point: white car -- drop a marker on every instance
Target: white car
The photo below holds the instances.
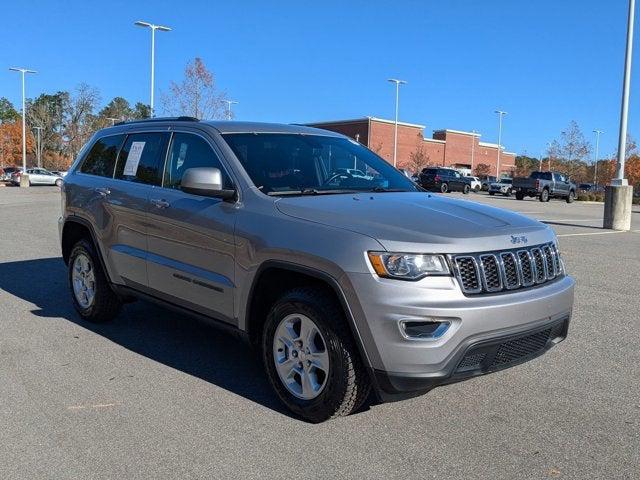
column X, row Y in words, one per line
column 503, row 186
column 38, row 176
column 474, row 183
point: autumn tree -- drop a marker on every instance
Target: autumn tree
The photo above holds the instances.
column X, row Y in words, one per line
column 197, row 95
column 11, row 144
column 525, row 165
column 482, row 169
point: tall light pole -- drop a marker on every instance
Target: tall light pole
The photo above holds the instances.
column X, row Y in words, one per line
column 500, row 115
column 618, row 195
column 113, row 120
column 229, row 103
column 473, row 145
column 38, row 147
column 624, row 113
column 595, row 164
column 23, row 71
column 395, row 135
column 153, row 28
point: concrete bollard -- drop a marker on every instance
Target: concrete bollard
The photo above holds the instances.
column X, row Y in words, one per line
column 617, row 207
column 24, row 180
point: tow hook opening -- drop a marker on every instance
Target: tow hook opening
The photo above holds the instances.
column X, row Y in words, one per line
column 424, row 330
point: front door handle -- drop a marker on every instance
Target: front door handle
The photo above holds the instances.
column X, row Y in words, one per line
column 103, row 191
column 159, row 203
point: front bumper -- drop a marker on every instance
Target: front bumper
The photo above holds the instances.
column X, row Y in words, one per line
column 402, row 365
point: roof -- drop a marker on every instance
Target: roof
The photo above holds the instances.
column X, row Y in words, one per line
column 365, row 119
column 490, row 145
column 459, row 132
column 226, row 126
column 434, row 140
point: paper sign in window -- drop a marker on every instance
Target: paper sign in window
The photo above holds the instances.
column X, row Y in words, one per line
column 133, row 159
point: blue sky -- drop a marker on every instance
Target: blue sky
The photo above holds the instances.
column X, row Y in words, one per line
column 546, row 62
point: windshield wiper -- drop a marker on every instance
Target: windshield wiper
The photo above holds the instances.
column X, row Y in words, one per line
column 311, row 191
column 378, row 188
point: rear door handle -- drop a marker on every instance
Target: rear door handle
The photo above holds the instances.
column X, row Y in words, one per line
column 102, row 191
column 160, row 203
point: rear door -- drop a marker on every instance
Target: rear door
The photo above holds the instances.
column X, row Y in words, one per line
column 561, row 185
column 190, row 237
column 126, row 199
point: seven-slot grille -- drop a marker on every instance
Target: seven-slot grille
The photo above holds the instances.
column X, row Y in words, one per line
column 507, row 270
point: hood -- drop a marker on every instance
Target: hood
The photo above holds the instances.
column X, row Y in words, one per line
column 420, row 222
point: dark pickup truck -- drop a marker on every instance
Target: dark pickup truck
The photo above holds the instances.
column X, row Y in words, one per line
column 545, row 185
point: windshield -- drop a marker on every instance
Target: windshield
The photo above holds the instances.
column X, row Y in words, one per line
column 290, row 164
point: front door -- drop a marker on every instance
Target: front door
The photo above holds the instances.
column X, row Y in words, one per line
column 190, row 258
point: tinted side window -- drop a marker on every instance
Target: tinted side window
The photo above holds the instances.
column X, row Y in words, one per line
column 101, row 159
column 142, row 157
column 189, row 151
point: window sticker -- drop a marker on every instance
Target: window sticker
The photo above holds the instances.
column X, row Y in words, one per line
column 133, row 159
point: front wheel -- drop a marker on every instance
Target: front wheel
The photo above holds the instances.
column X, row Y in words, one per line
column 492, row 193
column 519, row 196
column 466, row 189
column 310, row 357
column 59, row 182
column 508, row 193
column 571, row 197
column 476, row 189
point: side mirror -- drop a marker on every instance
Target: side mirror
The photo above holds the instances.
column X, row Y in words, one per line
column 205, row 181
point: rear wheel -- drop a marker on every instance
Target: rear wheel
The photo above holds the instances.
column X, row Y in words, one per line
column 544, row 195
column 492, row 193
column 466, row 189
column 519, row 196
column 444, row 188
column 476, row 189
column 59, row 182
column 310, row 357
column 508, row 193
column 92, row 295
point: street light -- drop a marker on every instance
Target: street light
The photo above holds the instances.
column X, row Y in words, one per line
column 23, row 71
column 500, row 115
column 113, row 120
column 473, row 145
column 595, row 169
column 229, row 103
column 153, row 28
column 38, row 147
column 395, row 135
column 619, row 195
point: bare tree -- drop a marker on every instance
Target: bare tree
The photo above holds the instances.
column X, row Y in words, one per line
column 572, row 150
column 79, row 118
column 197, row 95
column 418, row 159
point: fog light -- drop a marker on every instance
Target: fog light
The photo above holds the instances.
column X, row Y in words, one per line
column 424, row 329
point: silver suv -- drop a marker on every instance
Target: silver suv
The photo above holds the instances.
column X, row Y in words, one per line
column 344, row 283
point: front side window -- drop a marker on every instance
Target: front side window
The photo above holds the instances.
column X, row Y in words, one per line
column 189, row 151
column 282, row 164
column 142, row 157
column 101, row 159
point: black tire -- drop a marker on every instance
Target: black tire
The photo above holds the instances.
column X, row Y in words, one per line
column 571, row 197
column 59, row 182
column 106, row 304
column 519, row 196
column 508, row 194
column 466, row 189
column 492, row 193
column 544, row 195
column 347, row 385
column 444, row 188
column 476, row 189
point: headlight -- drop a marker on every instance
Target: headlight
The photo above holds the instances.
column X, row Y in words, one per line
column 408, row 266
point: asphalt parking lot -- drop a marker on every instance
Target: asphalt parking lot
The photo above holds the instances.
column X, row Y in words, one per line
column 155, row 395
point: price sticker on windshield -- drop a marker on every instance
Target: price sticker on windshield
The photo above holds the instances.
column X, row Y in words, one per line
column 133, row 159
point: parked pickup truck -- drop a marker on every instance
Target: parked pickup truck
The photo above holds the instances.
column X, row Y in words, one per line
column 545, row 185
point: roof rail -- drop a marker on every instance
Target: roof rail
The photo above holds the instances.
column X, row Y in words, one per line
column 160, row 119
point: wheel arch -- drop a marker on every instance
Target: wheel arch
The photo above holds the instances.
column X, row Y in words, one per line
column 274, row 277
column 74, row 229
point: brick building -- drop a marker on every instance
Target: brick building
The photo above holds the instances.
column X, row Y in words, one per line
column 450, row 148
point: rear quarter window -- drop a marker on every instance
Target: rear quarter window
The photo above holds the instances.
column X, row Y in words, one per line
column 101, row 159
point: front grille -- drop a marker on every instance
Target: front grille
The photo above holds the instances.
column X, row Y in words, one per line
column 492, row 272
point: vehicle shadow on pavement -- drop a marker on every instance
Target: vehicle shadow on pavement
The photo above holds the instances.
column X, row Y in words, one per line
column 565, row 224
column 175, row 340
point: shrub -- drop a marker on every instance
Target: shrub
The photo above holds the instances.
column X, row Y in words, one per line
column 582, row 197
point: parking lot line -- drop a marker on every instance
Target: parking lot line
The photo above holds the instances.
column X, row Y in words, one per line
column 595, row 233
